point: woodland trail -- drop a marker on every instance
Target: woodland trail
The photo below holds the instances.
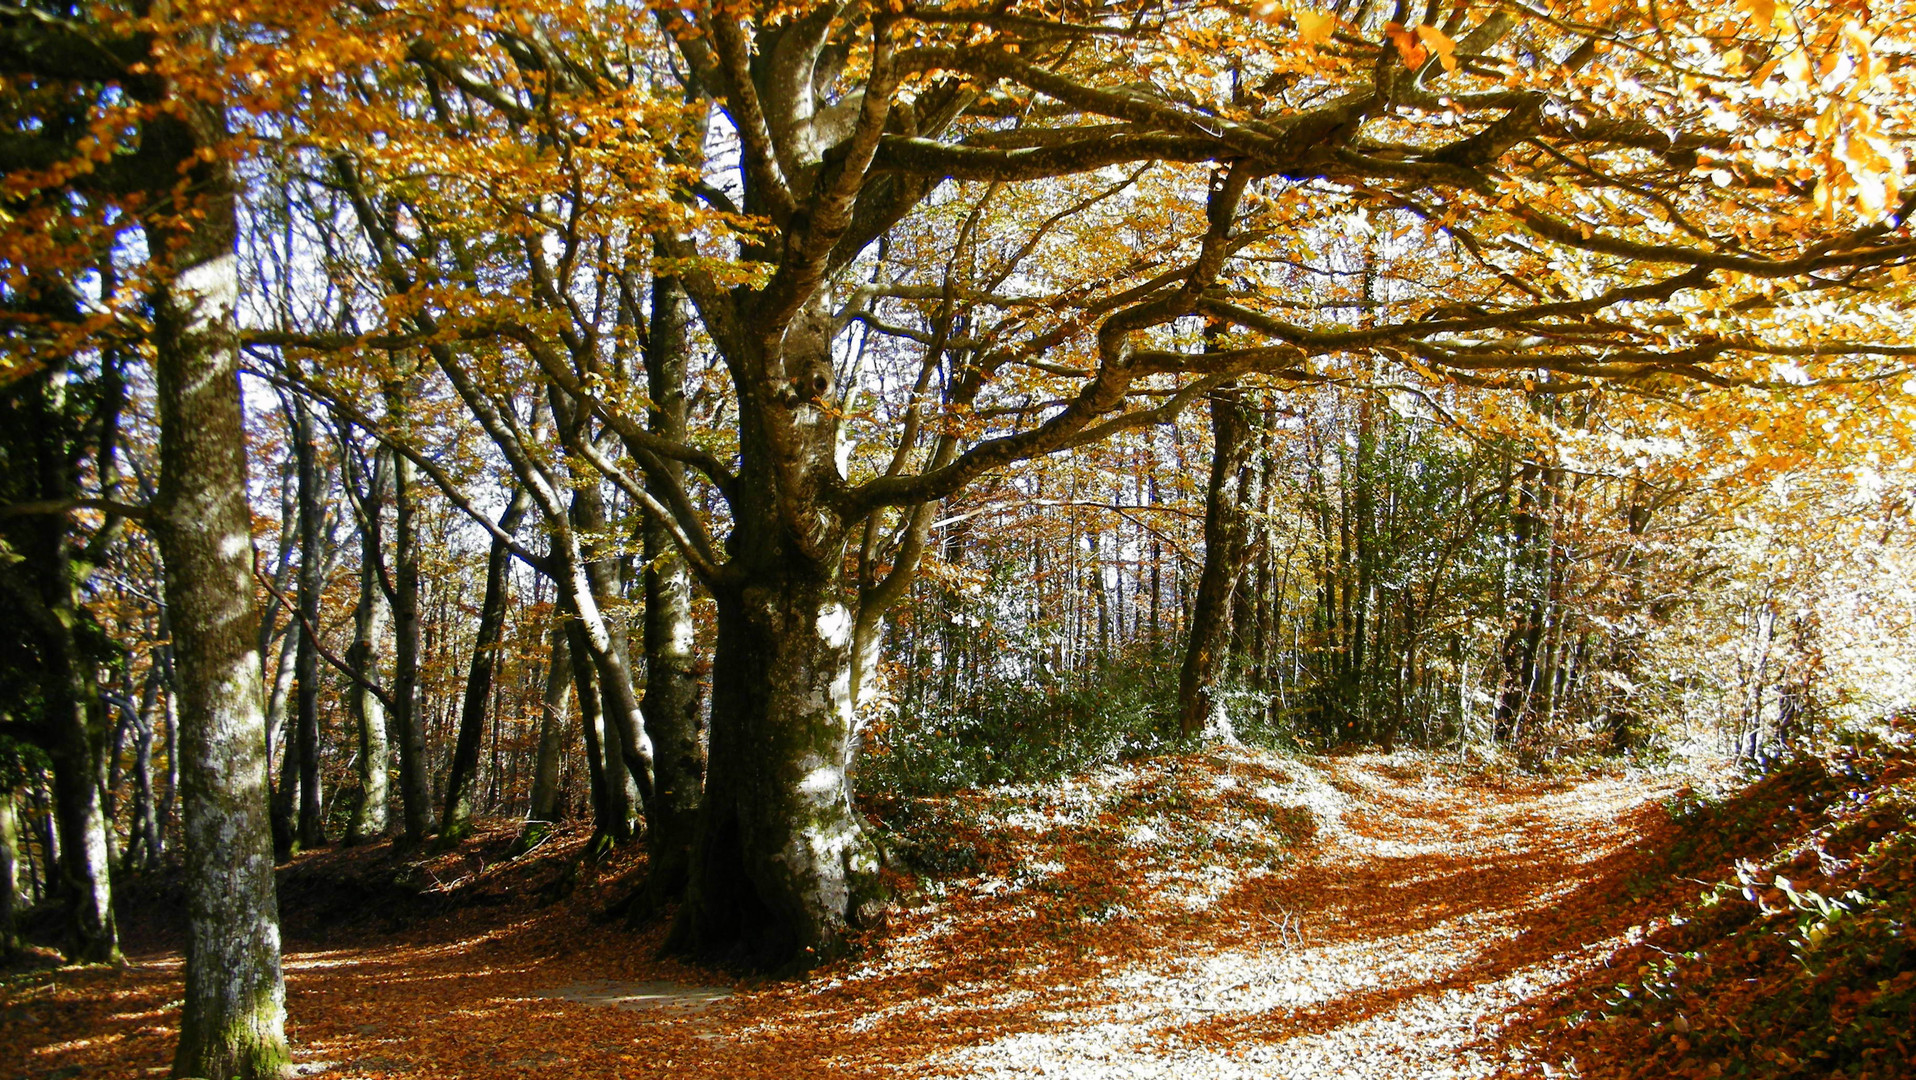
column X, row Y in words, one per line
column 1230, row 914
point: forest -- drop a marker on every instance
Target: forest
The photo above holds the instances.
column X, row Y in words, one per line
column 957, row 538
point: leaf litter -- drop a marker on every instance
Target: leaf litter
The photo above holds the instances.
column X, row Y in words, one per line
column 1226, row 914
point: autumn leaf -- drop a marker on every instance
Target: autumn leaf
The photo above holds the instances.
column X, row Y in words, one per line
column 1313, row 28
column 1440, row 43
column 1412, row 50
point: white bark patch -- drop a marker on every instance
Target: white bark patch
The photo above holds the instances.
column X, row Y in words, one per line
column 236, row 545
column 835, row 626
column 214, row 284
column 823, row 780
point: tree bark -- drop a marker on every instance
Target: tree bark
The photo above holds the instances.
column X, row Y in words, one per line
column 371, row 616
column 1514, row 656
column 9, row 875
column 543, row 808
column 456, row 822
column 1226, row 536
column 408, row 723
column 782, row 873
column 672, row 703
column 145, row 826
column 312, row 555
column 233, row 1023
column 628, row 764
column 60, row 647
column 783, row 870
column 91, row 935
column 606, row 819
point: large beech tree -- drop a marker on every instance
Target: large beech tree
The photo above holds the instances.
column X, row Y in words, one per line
column 923, row 242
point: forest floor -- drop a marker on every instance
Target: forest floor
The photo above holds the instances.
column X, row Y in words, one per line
column 1223, row 914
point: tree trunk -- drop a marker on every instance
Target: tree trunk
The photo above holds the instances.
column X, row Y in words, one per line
column 628, row 758
column 90, row 933
column 145, row 827
column 408, row 725
column 9, row 875
column 672, row 704
column 41, row 796
column 1517, row 656
column 370, row 619
column 170, row 716
column 1226, row 530
column 544, row 808
column 285, row 804
column 456, row 822
column 312, row 556
column 783, row 870
column 233, row 1023
column 607, row 820
column 284, row 796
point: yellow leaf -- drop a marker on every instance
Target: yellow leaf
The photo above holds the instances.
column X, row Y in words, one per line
column 1314, row 29
column 1763, row 11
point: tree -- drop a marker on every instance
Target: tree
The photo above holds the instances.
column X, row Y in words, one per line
column 947, row 178
column 1229, row 500
column 182, row 181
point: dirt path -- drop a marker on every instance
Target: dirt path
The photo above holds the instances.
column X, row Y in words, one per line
column 1426, row 911
column 1211, row 916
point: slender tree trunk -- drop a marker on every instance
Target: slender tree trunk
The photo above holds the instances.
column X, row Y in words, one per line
column 1363, row 681
column 370, row 619
column 628, row 757
column 1621, row 718
column 672, row 705
column 456, row 822
column 544, row 809
column 607, row 819
column 233, row 1023
column 41, row 795
column 284, row 798
column 408, row 721
column 9, row 875
column 80, row 819
column 170, row 716
column 146, row 819
column 1517, row 655
column 312, row 557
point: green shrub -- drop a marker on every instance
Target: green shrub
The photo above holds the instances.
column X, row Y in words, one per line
column 1010, row 732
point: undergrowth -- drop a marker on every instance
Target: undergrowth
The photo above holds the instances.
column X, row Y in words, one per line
column 1797, row 957
column 1007, row 732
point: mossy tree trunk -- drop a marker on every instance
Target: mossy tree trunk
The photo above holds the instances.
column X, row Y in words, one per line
column 783, row 872
column 1227, row 527
column 233, row 1021
column 672, row 703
